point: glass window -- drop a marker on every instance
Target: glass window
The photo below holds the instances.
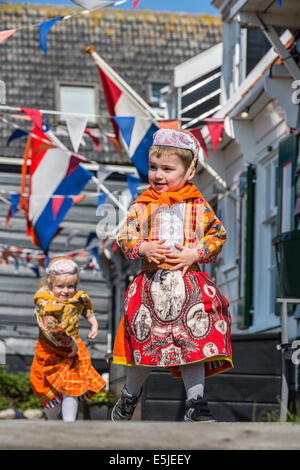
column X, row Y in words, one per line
column 155, row 92
column 78, row 99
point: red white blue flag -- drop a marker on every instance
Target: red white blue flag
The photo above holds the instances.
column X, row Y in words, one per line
column 133, row 120
column 55, row 176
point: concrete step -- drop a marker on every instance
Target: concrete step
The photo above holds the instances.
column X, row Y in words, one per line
column 146, row 435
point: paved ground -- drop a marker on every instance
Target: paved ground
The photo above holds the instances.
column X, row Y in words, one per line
column 105, row 435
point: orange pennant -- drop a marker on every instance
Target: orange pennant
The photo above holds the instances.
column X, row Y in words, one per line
column 169, row 124
column 78, row 198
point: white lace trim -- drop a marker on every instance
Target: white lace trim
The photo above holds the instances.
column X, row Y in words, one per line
column 172, row 224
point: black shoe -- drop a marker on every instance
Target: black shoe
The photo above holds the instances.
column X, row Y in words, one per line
column 197, row 410
column 125, row 406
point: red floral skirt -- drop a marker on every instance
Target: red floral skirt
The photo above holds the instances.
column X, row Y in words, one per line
column 170, row 321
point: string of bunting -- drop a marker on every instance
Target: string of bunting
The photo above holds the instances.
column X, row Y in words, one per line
column 46, row 26
column 76, row 125
column 87, row 257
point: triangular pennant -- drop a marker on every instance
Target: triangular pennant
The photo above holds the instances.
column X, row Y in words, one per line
column 91, row 236
column 93, row 4
column 78, row 198
column 133, row 182
column 6, row 34
column 73, row 164
column 198, row 134
column 135, row 3
column 279, row 3
column 125, row 125
column 44, row 30
column 169, row 124
column 16, row 135
column 15, row 199
column 94, row 138
column 215, row 130
column 116, row 143
column 95, row 252
column 76, row 126
column 56, row 205
column 35, row 116
column 101, row 200
column 103, row 173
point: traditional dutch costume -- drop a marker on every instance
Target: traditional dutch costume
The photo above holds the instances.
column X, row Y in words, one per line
column 172, row 320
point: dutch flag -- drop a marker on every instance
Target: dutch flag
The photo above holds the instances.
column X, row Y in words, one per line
column 134, row 121
column 55, row 176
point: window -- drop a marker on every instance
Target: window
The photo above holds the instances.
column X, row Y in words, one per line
column 155, row 92
column 78, row 99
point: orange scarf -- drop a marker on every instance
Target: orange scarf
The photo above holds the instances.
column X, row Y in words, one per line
column 189, row 191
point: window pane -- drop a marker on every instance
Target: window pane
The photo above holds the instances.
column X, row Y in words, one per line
column 75, row 99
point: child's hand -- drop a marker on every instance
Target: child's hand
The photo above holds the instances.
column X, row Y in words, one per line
column 94, row 327
column 153, row 250
column 183, row 259
column 93, row 332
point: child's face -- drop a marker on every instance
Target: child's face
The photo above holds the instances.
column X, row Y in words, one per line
column 167, row 173
column 64, row 286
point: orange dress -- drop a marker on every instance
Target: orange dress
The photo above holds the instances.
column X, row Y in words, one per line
column 53, row 373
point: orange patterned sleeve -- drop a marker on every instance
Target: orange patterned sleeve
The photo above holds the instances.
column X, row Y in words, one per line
column 130, row 237
column 211, row 243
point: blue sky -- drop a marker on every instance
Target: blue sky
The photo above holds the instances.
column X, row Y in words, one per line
column 189, row 6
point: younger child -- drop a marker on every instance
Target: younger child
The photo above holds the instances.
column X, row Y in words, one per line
column 174, row 315
column 61, row 371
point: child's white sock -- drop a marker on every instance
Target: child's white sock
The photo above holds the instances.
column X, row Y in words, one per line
column 69, row 408
column 193, row 379
column 52, row 413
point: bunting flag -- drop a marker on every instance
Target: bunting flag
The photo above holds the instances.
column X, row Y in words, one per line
column 16, row 135
column 101, row 200
column 279, row 3
column 76, row 126
column 135, row 3
column 94, row 138
column 35, row 115
column 169, row 124
column 103, row 173
column 96, row 257
column 90, row 237
column 215, row 129
column 116, row 143
column 6, row 34
column 133, row 182
column 15, row 200
column 198, row 134
column 44, row 30
column 94, row 4
column 53, row 172
column 139, row 121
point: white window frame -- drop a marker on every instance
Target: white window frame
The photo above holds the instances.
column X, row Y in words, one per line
column 264, row 256
column 92, row 122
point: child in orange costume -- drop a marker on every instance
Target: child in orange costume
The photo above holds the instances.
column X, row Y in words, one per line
column 174, row 315
column 61, row 371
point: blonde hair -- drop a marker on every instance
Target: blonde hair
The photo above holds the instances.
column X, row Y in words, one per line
column 185, row 155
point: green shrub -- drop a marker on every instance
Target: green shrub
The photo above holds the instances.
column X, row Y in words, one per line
column 103, row 398
column 16, row 391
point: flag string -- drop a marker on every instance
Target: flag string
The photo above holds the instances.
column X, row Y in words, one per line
column 104, row 116
column 64, row 18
